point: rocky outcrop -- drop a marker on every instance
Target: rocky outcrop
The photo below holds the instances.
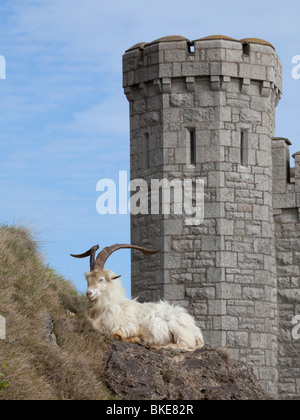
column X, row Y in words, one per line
column 47, row 328
column 134, row 372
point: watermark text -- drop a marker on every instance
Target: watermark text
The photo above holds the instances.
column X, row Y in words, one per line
column 2, row 68
column 296, row 68
column 160, row 196
column 2, row 328
column 296, row 329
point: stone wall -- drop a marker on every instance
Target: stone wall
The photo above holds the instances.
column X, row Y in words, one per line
column 286, row 207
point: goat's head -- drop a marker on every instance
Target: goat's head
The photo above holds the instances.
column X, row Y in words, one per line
column 99, row 278
column 98, row 282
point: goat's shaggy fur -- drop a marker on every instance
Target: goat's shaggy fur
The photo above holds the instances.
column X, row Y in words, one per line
column 151, row 324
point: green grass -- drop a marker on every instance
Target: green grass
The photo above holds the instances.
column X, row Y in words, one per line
column 3, row 383
column 30, row 367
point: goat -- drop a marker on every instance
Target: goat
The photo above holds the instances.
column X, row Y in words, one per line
column 153, row 325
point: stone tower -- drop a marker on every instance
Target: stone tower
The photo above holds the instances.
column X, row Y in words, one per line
column 206, row 109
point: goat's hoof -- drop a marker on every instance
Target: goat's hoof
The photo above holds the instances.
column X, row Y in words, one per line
column 116, row 337
column 134, row 340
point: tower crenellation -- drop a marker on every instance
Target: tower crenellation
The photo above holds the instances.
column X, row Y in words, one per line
column 206, row 109
column 219, row 59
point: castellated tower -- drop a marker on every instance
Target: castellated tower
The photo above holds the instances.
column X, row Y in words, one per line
column 206, row 109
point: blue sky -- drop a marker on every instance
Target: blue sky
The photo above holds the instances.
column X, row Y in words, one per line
column 64, row 120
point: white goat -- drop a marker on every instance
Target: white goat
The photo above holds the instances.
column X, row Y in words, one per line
column 151, row 324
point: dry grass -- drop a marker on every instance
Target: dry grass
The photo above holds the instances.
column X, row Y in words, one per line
column 30, row 367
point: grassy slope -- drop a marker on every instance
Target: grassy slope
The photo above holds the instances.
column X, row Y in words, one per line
column 32, row 367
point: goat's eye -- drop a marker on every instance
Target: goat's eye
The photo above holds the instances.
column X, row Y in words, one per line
column 101, row 279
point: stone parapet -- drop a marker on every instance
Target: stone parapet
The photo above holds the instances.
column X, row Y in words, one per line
column 219, row 59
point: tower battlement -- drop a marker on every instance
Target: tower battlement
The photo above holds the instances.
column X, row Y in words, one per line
column 286, row 187
column 218, row 58
column 206, row 109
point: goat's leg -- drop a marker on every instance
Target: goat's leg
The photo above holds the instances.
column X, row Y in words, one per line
column 118, row 335
column 134, row 340
column 115, row 336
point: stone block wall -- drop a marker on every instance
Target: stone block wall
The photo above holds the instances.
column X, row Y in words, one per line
column 286, row 213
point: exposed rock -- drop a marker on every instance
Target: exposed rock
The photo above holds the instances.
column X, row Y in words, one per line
column 134, row 372
column 47, row 328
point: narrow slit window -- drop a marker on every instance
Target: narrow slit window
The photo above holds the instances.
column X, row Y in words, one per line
column 191, row 48
column 246, row 48
column 192, row 157
column 147, row 147
column 288, row 172
column 244, row 148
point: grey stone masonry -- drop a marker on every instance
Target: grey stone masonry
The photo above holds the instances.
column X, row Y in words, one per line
column 205, row 109
column 286, row 210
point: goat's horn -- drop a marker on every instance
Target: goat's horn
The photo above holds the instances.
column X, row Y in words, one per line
column 90, row 253
column 106, row 253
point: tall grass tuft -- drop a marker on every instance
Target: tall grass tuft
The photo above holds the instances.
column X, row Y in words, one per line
column 32, row 366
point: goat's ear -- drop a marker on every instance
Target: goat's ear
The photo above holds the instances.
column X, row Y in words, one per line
column 115, row 277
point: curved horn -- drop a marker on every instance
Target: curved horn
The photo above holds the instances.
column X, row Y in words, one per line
column 90, row 253
column 106, row 253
